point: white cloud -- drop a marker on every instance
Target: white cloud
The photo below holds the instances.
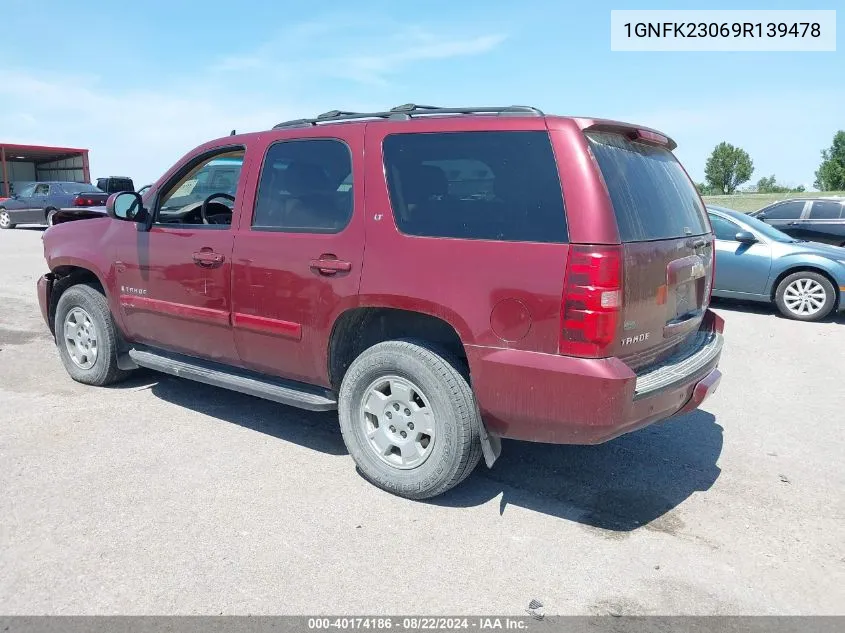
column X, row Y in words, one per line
column 375, row 68
column 139, row 133
column 142, row 131
column 369, row 55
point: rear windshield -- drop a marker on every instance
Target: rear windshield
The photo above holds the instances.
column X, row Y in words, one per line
column 652, row 196
column 80, row 187
column 119, row 184
column 476, row 185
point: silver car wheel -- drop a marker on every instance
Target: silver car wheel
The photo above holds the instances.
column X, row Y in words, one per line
column 398, row 422
column 804, row 297
column 5, row 219
column 80, row 337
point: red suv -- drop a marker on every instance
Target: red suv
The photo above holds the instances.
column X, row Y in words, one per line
column 444, row 277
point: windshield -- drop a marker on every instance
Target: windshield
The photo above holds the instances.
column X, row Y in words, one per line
column 766, row 230
column 80, row 187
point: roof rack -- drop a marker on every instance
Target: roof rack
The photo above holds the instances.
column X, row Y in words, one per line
column 406, row 112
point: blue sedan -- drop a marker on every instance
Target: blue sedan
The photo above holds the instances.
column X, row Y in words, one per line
column 756, row 262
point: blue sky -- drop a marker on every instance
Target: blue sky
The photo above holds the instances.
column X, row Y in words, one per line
column 142, row 83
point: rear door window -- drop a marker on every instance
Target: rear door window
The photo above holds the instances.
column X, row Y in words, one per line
column 785, row 211
column 306, row 187
column 476, row 185
column 826, row 210
column 652, row 196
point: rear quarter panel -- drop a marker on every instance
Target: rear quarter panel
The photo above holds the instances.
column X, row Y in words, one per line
column 493, row 293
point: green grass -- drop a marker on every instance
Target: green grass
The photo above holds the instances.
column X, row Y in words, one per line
column 747, row 202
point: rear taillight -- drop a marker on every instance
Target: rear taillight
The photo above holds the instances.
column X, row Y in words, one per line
column 82, row 202
column 592, row 300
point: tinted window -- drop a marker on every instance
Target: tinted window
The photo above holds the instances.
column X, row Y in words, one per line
column 652, row 196
column 724, row 229
column 825, row 210
column 785, row 211
column 305, row 187
column 476, row 185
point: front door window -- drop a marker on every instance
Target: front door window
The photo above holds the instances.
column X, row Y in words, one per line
column 205, row 195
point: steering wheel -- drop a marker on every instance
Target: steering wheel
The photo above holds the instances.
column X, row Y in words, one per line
column 204, row 207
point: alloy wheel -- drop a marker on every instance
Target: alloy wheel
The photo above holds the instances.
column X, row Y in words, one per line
column 804, row 297
column 398, row 422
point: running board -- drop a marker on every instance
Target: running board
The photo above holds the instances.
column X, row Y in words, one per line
column 285, row 392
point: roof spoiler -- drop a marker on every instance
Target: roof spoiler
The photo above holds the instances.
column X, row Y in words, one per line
column 637, row 133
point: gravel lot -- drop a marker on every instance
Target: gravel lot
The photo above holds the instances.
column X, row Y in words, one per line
column 165, row 496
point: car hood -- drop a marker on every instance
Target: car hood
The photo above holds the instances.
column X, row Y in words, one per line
column 817, row 248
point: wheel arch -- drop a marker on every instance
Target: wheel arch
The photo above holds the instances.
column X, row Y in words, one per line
column 66, row 276
column 359, row 328
column 805, row 268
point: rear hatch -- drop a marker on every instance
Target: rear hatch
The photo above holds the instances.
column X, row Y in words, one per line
column 667, row 246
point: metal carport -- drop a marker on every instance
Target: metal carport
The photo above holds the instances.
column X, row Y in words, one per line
column 29, row 163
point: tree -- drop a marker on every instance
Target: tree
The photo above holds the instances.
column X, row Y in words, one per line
column 770, row 185
column 767, row 185
column 728, row 167
column 831, row 173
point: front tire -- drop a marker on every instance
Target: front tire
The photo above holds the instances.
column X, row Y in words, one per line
column 87, row 337
column 6, row 219
column 805, row 296
column 409, row 419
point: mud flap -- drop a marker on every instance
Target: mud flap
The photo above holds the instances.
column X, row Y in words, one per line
column 491, row 445
column 125, row 362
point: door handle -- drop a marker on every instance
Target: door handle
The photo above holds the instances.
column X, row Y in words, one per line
column 329, row 265
column 207, row 258
column 792, row 224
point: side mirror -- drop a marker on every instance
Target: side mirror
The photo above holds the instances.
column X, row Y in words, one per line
column 126, row 205
column 745, row 237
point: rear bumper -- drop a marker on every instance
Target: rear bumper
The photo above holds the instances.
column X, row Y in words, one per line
column 565, row 400
column 44, row 287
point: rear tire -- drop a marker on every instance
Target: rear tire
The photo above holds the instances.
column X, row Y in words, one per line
column 6, row 219
column 409, row 419
column 805, row 296
column 87, row 337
